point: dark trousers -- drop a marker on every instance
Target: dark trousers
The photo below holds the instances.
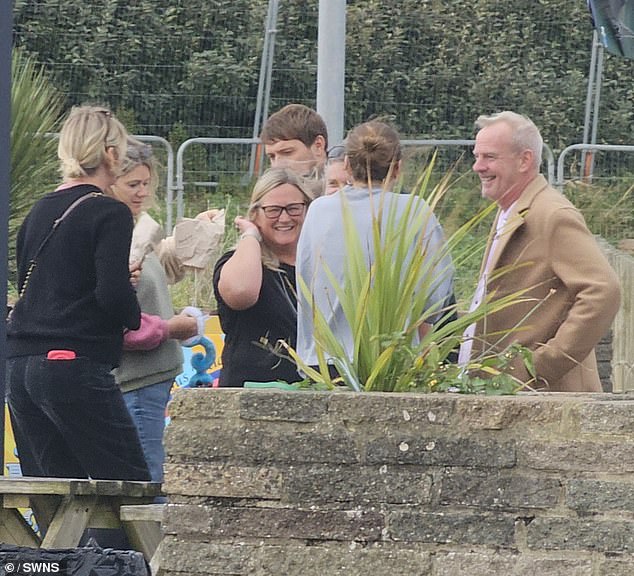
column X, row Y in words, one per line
column 70, row 421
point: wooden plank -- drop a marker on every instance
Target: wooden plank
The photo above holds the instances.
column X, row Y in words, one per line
column 155, row 562
column 14, row 529
column 146, row 512
column 96, row 487
column 127, row 488
column 69, row 522
column 79, row 486
column 141, row 489
column 44, row 507
column 144, row 536
column 105, row 514
column 623, row 325
column 16, row 501
column 27, row 485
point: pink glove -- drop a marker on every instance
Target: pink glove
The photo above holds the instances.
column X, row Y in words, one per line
column 152, row 332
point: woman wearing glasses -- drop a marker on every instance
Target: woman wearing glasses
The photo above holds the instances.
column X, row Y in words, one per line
column 255, row 282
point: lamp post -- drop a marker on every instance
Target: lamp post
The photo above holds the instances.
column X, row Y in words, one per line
column 331, row 66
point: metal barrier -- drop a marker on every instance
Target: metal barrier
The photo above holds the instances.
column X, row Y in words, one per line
column 549, row 157
column 585, row 147
column 179, row 186
column 169, row 178
column 180, row 182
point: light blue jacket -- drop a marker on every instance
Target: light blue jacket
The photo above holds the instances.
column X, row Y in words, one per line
column 322, row 241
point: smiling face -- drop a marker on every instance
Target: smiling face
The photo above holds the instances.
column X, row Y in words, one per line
column 134, row 188
column 281, row 233
column 504, row 171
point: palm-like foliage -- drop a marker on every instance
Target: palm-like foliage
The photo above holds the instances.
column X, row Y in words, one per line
column 386, row 303
column 35, row 111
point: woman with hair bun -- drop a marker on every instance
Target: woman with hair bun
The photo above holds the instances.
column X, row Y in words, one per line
column 65, row 333
column 373, row 160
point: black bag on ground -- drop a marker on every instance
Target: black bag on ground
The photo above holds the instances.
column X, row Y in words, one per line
column 85, row 561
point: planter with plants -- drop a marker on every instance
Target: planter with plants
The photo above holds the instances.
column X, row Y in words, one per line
column 386, row 304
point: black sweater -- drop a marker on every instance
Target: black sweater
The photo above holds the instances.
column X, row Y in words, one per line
column 79, row 296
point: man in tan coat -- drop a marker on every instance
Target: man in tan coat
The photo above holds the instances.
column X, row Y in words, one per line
column 539, row 242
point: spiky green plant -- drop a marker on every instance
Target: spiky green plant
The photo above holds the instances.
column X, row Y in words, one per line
column 386, row 305
column 35, row 112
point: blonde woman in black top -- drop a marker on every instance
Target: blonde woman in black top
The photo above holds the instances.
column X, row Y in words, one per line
column 65, row 333
column 255, row 283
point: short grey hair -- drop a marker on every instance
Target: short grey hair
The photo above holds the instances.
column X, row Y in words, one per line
column 525, row 134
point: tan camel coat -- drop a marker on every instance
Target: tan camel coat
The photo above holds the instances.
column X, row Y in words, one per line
column 573, row 293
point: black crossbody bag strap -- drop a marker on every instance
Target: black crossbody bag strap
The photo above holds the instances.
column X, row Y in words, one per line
column 56, row 223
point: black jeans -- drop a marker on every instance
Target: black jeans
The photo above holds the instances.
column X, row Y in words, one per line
column 70, row 421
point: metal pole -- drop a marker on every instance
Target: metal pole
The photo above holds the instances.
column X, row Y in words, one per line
column 267, row 82
column 597, row 94
column 589, row 170
column 6, row 27
column 590, row 91
column 593, row 100
column 264, row 84
column 331, row 66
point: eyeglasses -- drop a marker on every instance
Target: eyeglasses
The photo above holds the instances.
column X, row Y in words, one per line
column 272, row 211
column 336, row 152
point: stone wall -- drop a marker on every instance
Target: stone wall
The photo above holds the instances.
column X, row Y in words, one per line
column 271, row 483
